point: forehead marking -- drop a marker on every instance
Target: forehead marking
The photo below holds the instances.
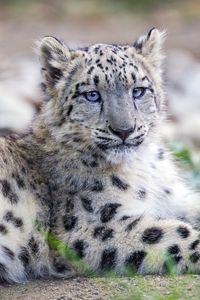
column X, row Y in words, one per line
column 100, row 66
column 109, row 61
column 90, row 70
column 96, row 49
column 133, row 77
column 145, row 78
column 96, row 80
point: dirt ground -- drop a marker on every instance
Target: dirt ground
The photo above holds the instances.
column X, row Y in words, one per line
column 137, row 288
column 53, row 290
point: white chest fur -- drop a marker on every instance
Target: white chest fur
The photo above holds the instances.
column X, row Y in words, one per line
column 155, row 190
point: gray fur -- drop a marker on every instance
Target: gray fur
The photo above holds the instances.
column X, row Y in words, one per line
column 115, row 203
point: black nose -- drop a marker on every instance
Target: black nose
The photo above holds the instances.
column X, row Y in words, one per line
column 122, row 133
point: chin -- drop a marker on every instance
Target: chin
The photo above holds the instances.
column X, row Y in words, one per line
column 120, row 156
column 122, row 153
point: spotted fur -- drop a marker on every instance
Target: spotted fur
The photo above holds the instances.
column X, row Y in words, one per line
column 94, row 172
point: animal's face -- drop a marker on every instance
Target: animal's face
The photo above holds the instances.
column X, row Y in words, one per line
column 104, row 97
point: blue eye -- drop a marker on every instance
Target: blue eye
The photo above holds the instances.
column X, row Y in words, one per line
column 92, row 96
column 139, row 92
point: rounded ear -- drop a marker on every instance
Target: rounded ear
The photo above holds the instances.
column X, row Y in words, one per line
column 150, row 45
column 54, row 57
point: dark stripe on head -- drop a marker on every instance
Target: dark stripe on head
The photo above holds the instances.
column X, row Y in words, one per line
column 90, row 70
column 96, row 80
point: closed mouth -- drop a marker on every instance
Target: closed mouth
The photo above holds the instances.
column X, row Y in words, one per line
column 122, row 146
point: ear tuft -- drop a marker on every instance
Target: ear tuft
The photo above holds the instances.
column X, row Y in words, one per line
column 150, row 45
column 54, row 57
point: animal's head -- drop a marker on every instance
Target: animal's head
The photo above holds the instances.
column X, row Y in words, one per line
column 104, row 97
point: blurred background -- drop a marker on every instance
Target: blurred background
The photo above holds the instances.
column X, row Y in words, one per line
column 81, row 22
